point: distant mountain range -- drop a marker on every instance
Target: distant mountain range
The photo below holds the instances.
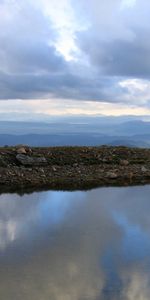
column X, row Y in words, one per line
column 87, row 131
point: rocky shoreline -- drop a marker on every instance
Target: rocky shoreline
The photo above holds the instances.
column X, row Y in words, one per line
column 23, row 167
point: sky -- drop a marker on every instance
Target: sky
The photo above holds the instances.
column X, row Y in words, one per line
column 74, row 57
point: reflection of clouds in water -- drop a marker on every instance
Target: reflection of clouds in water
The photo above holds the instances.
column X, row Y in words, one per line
column 23, row 216
column 136, row 286
column 100, row 242
column 135, row 243
column 7, row 233
column 63, row 271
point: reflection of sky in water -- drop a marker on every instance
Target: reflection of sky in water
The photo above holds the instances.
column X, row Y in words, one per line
column 48, row 211
column 135, row 242
column 53, row 209
column 91, row 245
column 133, row 246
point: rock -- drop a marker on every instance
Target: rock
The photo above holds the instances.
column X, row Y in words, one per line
column 21, row 150
column 111, row 175
column 124, row 162
column 130, row 175
column 104, row 160
column 75, row 165
column 29, row 150
column 143, row 169
column 54, row 169
column 30, row 161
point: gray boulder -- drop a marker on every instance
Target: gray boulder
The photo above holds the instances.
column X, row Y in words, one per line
column 30, row 160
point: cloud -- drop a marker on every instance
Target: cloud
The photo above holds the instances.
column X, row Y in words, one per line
column 116, row 41
column 63, row 86
column 27, row 41
column 119, row 57
column 77, row 50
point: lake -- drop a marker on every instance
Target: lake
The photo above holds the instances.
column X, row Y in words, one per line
column 76, row 245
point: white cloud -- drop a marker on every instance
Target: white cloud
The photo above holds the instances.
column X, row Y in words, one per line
column 128, row 3
column 138, row 91
column 62, row 16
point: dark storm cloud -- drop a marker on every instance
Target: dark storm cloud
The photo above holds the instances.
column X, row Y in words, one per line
column 32, row 56
column 129, row 58
column 63, row 85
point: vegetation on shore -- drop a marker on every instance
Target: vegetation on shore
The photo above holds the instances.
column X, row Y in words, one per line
column 72, row 167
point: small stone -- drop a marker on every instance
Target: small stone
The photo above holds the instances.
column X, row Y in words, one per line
column 124, row 162
column 54, row 169
column 111, row 175
column 143, row 169
column 104, row 160
column 43, row 175
column 75, row 165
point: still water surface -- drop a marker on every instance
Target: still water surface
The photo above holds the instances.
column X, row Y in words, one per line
column 76, row 245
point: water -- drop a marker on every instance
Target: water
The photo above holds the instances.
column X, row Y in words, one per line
column 76, row 245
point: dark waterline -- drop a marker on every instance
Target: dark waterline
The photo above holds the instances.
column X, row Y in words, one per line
column 76, row 245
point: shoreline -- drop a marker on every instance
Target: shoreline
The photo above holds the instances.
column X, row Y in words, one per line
column 72, row 168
